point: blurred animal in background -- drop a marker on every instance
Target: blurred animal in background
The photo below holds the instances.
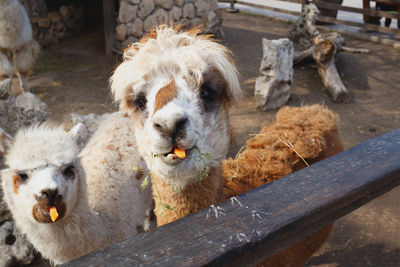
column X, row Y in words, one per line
column 388, row 8
column 18, row 50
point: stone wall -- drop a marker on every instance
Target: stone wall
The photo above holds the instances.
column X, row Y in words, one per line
column 57, row 25
column 136, row 17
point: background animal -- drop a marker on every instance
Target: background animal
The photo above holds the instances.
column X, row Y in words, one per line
column 178, row 86
column 16, row 41
column 95, row 208
column 385, row 7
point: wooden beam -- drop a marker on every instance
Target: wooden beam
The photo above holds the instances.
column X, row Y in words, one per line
column 246, row 229
column 371, row 12
column 370, row 27
column 109, row 26
column 275, row 9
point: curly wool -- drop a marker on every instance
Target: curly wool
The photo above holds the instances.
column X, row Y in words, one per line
column 269, row 155
column 299, row 134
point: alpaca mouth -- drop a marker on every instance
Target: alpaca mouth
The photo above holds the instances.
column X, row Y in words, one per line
column 42, row 214
column 175, row 156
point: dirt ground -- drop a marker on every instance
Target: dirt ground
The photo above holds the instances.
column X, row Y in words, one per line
column 73, row 77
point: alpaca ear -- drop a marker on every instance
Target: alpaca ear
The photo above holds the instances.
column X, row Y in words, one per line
column 78, row 131
column 5, row 141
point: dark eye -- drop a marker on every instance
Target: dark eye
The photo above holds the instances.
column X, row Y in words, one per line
column 207, row 92
column 140, row 102
column 209, row 96
column 22, row 176
column 69, row 172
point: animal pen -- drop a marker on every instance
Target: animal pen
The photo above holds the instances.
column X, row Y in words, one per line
column 309, row 199
column 247, row 228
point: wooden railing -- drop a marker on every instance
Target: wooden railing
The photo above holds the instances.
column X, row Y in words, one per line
column 366, row 11
column 244, row 230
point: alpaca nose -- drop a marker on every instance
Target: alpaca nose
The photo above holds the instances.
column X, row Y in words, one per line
column 50, row 195
column 175, row 128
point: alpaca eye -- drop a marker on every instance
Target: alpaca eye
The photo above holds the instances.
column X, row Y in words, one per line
column 208, row 93
column 209, row 96
column 22, row 176
column 140, row 102
column 69, row 172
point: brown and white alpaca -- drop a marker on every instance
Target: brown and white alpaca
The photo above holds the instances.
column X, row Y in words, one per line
column 178, row 86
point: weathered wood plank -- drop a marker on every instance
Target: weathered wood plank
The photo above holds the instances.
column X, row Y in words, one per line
column 371, row 27
column 275, row 9
column 370, row 12
column 267, row 219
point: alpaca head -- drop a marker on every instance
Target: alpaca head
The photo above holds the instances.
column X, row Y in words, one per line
column 178, row 86
column 42, row 173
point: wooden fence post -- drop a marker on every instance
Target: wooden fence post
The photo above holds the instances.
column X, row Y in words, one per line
column 109, row 26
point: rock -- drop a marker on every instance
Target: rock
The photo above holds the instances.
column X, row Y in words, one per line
column 160, row 16
column 202, row 7
column 179, row 2
column 121, row 32
column 214, row 5
column 196, row 22
column 57, row 26
column 214, row 24
column 188, row 10
column 145, row 8
column 305, row 30
column 29, row 101
column 175, row 13
column 5, row 87
column 14, row 249
column 43, row 22
column 64, row 12
column 128, row 42
column 136, row 28
column 127, row 12
column 167, row 4
column 273, row 88
column 54, row 16
column 29, row 110
column 133, row 2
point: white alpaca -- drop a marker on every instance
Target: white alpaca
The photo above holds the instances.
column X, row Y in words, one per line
column 16, row 40
column 97, row 205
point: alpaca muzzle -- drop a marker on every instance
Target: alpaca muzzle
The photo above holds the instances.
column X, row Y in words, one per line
column 176, row 155
column 49, row 207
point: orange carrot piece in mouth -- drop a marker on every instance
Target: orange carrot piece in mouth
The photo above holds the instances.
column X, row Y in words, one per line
column 53, row 213
column 180, row 153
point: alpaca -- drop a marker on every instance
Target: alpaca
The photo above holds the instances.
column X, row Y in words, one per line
column 66, row 206
column 177, row 86
column 299, row 137
column 16, row 39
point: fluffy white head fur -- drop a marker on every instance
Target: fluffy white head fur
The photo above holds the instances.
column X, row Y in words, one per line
column 178, row 86
column 41, row 173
